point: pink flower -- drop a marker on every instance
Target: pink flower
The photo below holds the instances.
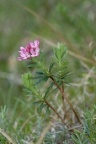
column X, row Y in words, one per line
column 31, row 50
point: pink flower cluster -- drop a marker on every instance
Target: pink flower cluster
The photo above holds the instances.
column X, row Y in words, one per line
column 31, row 50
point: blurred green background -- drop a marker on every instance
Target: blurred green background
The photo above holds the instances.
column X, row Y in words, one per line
column 72, row 22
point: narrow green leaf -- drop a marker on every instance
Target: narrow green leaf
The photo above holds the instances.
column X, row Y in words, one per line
column 47, row 110
column 27, row 90
column 41, row 80
column 51, row 66
column 66, row 75
column 39, row 109
column 48, row 90
column 32, row 65
column 36, row 102
column 40, row 73
column 64, row 50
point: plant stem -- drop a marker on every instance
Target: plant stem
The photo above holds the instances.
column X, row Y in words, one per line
column 49, row 105
column 66, row 99
column 63, row 96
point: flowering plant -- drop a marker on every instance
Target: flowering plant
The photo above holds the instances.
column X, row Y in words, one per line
column 52, row 72
column 31, row 50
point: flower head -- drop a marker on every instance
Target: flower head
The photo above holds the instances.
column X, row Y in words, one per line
column 31, row 50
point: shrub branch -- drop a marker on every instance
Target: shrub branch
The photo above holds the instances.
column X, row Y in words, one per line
column 62, row 92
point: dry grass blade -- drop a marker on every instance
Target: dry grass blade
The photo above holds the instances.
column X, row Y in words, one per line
column 24, row 124
column 7, row 136
column 82, row 58
column 40, row 140
column 76, row 52
column 36, row 15
column 75, row 55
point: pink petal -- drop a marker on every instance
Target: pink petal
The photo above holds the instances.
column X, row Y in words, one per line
column 36, row 43
column 31, row 50
column 21, row 48
column 19, row 58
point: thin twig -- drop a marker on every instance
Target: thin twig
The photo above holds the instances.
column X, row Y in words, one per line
column 66, row 99
column 49, row 105
column 63, row 96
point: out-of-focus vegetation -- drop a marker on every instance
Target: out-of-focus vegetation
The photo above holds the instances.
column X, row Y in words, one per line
column 71, row 22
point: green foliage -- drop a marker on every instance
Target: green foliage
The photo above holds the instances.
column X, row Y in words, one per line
column 90, row 125
column 88, row 133
column 30, row 85
column 44, row 73
column 3, row 116
column 70, row 22
column 60, row 53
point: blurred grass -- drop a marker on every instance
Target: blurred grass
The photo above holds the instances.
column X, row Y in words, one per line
column 71, row 22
